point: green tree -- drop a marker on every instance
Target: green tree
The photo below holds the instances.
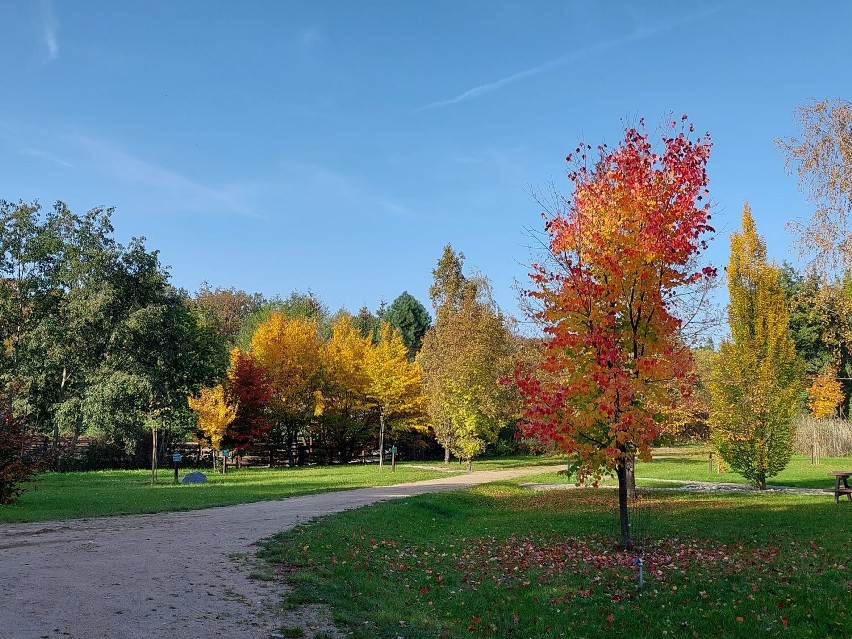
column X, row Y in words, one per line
column 226, row 309
column 411, row 319
column 465, row 355
column 367, row 323
column 167, row 353
column 757, row 380
column 821, row 322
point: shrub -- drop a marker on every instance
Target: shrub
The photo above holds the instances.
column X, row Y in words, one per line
column 19, row 457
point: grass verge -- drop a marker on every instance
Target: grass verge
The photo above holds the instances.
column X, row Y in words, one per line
column 119, row 492
column 501, row 561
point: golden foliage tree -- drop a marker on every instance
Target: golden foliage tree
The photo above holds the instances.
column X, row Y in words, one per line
column 342, row 420
column 465, row 356
column 757, row 380
column 394, row 384
column 215, row 414
column 290, row 351
column 825, row 394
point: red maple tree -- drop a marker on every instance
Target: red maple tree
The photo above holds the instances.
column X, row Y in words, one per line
column 247, row 386
column 622, row 251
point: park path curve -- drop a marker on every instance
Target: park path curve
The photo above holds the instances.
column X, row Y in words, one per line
column 166, row 575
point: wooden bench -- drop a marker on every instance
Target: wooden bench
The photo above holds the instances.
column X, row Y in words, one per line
column 840, row 476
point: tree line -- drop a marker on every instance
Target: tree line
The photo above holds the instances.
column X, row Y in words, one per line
column 335, row 386
column 98, row 345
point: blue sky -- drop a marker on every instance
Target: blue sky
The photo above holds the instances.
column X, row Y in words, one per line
column 338, row 146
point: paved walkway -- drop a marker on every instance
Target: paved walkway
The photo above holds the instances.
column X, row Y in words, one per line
column 169, row 575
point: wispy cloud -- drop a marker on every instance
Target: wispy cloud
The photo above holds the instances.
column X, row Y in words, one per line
column 640, row 33
column 45, row 155
column 49, row 31
column 299, row 188
column 182, row 192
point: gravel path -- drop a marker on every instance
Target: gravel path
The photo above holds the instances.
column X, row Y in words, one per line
column 695, row 487
column 170, row 575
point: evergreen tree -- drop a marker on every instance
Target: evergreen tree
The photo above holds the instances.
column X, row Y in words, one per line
column 411, row 319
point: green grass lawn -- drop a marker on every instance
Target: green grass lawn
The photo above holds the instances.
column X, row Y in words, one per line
column 119, row 492
column 101, row 493
column 691, row 464
column 502, row 561
column 123, row 492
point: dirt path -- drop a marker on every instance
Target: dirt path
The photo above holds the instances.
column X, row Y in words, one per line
column 169, row 575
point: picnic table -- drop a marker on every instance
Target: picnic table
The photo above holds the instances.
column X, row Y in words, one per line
column 841, row 476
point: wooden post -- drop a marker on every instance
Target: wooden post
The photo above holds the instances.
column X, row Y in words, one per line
column 815, row 445
column 710, row 463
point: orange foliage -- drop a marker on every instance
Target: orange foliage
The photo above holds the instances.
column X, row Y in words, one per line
column 825, row 394
column 622, row 250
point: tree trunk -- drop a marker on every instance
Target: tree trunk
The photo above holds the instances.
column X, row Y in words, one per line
column 381, row 439
column 623, row 512
column 469, row 465
column 446, row 456
column 630, row 461
column 153, row 452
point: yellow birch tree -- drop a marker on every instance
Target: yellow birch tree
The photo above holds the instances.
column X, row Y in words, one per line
column 465, row 356
column 394, row 385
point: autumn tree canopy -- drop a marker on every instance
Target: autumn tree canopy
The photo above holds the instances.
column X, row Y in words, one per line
column 290, row 351
column 757, row 379
column 394, row 385
column 825, row 394
column 822, row 157
column 215, row 414
column 343, row 424
column 621, row 248
column 249, row 390
column 465, row 356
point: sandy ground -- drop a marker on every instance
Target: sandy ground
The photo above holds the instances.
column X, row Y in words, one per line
column 175, row 575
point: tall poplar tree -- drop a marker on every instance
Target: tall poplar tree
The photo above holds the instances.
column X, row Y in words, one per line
column 757, row 381
column 465, row 356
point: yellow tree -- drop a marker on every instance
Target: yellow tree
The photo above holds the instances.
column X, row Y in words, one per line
column 465, row 356
column 394, row 385
column 825, row 394
column 215, row 414
column 757, row 380
column 289, row 350
column 342, row 423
